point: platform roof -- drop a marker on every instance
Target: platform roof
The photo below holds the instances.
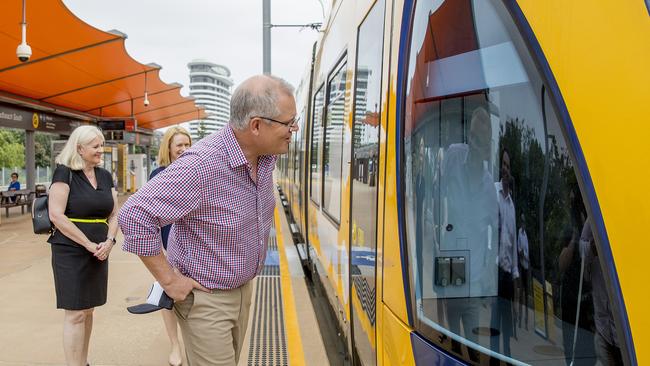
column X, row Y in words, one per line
column 80, row 68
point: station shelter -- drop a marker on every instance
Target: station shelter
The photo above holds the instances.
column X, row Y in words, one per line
column 78, row 75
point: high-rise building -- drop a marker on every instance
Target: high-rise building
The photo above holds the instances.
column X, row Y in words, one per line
column 210, row 84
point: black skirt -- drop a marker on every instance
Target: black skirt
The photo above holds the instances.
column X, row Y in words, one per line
column 80, row 279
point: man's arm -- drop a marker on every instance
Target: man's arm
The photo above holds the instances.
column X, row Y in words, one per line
column 175, row 193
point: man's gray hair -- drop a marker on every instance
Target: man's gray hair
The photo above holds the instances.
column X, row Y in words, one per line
column 257, row 97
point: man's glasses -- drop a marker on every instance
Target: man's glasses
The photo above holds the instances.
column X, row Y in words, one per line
column 291, row 123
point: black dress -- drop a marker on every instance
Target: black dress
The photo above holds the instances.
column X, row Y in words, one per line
column 80, row 279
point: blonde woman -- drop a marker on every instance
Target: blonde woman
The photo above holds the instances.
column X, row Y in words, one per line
column 83, row 207
column 174, row 142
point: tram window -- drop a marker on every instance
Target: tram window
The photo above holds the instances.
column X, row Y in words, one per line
column 333, row 145
column 316, row 133
column 494, row 216
column 363, row 183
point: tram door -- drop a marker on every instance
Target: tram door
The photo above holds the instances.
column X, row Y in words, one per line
column 365, row 157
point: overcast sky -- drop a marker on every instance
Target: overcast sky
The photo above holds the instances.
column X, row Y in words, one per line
column 171, row 33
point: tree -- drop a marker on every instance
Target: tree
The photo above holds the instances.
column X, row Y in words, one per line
column 201, row 132
column 43, row 149
column 12, row 149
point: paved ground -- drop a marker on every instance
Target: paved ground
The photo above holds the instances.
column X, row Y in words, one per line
column 32, row 326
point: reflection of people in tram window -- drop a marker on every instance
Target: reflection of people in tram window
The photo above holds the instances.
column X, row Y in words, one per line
column 469, row 217
column 607, row 347
column 469, row 206
column 524, row 270
column 572, row 299
column 419, row 167
column 507, row 259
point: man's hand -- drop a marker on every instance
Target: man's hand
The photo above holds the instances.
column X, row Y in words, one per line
column 172, row 281
column 180, row 286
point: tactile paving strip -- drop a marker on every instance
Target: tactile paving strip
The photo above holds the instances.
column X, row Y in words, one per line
column 268, row 344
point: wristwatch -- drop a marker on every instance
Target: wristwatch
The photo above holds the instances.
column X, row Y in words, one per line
column 112, row 239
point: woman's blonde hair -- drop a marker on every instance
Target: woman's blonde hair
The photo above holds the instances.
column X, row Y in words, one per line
column 81, row 135
column 164, row 158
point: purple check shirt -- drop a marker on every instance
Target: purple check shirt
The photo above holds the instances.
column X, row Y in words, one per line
column 221, row 217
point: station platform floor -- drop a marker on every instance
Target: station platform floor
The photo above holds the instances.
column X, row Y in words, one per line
column 283, row 327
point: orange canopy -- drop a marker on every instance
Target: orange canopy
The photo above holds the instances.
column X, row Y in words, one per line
column 83, row 69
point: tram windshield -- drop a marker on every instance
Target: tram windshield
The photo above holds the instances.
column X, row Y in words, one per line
column 503, row 262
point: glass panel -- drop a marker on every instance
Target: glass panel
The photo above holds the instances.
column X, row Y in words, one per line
column 316, row 133
column 365, row 140
column 333, row 146
column 300, row 156
column 494, row 215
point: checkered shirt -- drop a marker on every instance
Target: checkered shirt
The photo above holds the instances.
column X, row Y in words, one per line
column 221, row 217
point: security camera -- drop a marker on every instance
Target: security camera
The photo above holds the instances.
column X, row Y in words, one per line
column 24, row 52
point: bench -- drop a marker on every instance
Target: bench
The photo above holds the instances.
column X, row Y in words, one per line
column 19, row 198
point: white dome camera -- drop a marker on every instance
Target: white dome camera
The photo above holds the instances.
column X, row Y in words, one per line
column 24, row 52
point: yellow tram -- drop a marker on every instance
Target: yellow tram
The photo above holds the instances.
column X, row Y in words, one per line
column 469, row 179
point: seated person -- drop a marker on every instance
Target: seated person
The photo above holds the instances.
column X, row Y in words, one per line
column 14, row 185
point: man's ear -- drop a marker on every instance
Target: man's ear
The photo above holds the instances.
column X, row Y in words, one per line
column 254, row 126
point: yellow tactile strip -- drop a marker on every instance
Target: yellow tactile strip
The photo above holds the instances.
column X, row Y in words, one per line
column 294, row 340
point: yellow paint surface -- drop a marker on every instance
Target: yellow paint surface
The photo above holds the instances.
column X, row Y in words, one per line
column 294, row 340
column 599, row 53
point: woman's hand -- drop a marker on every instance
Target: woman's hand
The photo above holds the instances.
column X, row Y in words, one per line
column 104, row 249
column 91, row 247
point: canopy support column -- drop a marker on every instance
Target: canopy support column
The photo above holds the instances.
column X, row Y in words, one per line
column 147, row 151
column 30, row 160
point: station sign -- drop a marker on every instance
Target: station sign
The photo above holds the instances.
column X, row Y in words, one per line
column 126, row 137
column 110, row 125
column 31, row 120
column 129, row 125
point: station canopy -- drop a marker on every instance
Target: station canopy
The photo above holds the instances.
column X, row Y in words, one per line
column 81, row 69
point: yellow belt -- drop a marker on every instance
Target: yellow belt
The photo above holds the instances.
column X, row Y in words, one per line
column 90, row 221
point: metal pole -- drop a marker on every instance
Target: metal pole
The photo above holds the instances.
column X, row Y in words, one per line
column 147, row 150
column 30, row 160
column 266, row 36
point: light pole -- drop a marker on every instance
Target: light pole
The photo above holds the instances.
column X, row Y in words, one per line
column 266, row 33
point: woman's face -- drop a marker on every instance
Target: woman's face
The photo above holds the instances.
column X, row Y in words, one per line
column 91, row 153
column 178, row 144
column 14, row 178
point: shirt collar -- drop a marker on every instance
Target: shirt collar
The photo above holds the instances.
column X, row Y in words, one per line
column 500, row 189
column 236, row 156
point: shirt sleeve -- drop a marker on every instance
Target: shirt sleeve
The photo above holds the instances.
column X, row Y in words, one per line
column 162, row 201
column 61, row 174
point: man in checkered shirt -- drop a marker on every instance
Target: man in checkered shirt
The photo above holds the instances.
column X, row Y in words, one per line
column 219, row 197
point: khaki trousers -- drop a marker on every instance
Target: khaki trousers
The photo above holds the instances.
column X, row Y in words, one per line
column 214, row 325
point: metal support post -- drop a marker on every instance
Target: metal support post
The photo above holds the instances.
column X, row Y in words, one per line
column 30, row 160
column 147, row 150
column 266, row 36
